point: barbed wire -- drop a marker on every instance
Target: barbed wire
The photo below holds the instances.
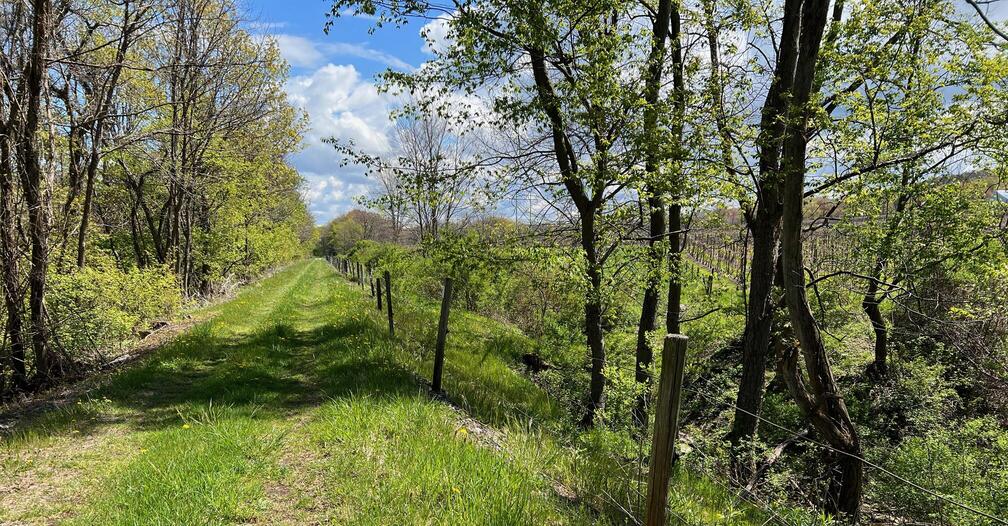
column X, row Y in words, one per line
column 866, row 462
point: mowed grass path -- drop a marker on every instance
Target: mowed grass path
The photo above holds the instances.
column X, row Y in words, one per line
column 290, row 405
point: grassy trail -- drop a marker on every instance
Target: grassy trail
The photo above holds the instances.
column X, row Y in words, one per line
column 289, row 406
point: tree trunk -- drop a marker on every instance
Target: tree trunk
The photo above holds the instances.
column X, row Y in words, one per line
column 9, row 263
column 759, row 317
column 649, row 308
column 86, row 210
column 674, row 311
column 819, row 400
column 593, row 321
column 35, row 195
column 675, row 227
column 764, row 224
column 870, row 304
column 587, row 209
column 873, row 298
column 658, row 256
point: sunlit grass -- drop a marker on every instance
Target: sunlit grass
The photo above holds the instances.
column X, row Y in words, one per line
column 291, row 405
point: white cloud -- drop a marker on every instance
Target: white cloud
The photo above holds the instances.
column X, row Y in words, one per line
column 298, row 51
column 342, row 105
column 331, row 195
column 301, row 52
column 436, row 35
column 362, row 51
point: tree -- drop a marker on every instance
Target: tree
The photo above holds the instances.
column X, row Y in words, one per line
column 665, row 27
column 578, row 144
column 157, row 154
column 32, row 184
column 818, row 397
column 430, row 178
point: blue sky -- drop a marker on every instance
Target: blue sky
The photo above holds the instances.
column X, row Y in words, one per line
column 333, row 80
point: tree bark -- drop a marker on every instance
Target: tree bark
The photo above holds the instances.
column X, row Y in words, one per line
column 92, row 170
column 675, row 226
column 674, row 312
column 9, row 261
column 873, row 297
column 763, row 222
column 593, row 322
column 870, row 305
column 819, row 399
column 35, row 193
column 759, row 320
column 657, row 255
column 649, row 308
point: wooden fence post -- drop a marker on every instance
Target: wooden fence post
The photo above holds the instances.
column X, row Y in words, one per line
column 666, row 427
column 378, row 284
column 442, row 335
column 371, row 281
column 388, row 303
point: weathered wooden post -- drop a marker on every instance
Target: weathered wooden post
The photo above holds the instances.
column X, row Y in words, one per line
column 388, row 303
column 378, row 283
column 666, row 428
column 442, row 335
column 371, row 281
column 710, row 283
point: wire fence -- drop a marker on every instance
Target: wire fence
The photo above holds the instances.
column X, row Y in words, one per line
column 804, row 437
column 712, row 255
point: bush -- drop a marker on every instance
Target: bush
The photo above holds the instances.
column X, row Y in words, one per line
column 97, row 308
column 967, row 463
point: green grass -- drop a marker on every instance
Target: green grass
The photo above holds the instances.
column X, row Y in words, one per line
column 291, row 405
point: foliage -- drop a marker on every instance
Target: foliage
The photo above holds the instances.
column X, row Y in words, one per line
column 163, row 145
column 966, row 463
column 100, row 307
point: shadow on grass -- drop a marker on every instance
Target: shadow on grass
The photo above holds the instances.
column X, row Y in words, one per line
column 266, row 374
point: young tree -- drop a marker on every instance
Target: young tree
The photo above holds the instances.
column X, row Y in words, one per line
column 665, row 41
column 431, row 177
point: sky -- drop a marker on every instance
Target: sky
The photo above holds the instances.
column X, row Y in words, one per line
column 332, row 78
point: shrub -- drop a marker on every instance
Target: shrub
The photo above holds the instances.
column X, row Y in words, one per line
column 97, row 308
column 967, row 463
